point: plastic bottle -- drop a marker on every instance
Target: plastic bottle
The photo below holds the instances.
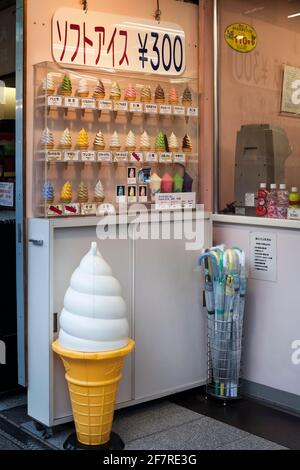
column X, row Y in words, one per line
column 261, row 200
column 282, row 202
column 294, row 198
column 272, row 202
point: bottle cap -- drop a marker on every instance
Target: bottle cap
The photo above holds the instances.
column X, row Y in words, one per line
column 273, row 186
column 282, row 186
column 263, row 185
column 294, row 189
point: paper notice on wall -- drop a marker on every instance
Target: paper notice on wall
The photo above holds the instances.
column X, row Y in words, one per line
column 290, row 96
column 263, row 256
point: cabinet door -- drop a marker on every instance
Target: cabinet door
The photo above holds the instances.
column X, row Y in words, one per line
column 70, row 245
column 170, row 326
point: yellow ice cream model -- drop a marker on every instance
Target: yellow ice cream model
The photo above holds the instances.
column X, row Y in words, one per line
column 66, row 193
column 82, row 140
column 93, row 343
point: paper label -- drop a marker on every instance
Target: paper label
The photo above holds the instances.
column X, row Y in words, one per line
column 135, row 107
column 54, row 210
column 191, row 111
column 249, row 199
column 120, row 156
column 120, row 106
column 105, row 208
column 174, row 201
column 142, row 194
column 165, row 157
column 88, row 156
column 105, row 104
column 136, row 156
column 131, row 192
column 293, row 213
column 72, row 209
column 6, row 194
column 88, row 209
column 54, row 100
column 71, row 102
column 165, row 109
column 88, row 103
column 178, row 157
column 53, row 155
column 150, row 108
column 179, row 110
column 263, row 256
column 104, row 156
column 71, row 155
column 151, row 157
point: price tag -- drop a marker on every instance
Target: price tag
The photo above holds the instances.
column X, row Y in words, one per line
column 88, row 209
column 179, row 110
column 151, row 157
column 104, row 157
column 190, row 111
column 54, row 100
column 131, row 193
column 88, row 103
column 174, row 201
column 72, row 209
column 150, row 108
column 165, row 109
column 178, row 157
column 165, row 157
column 121, row 157
column 142, row 193
column 53, row 155
column 136, row 157
column 135, row 107
column 105, row 104
column 71, row 102
column 88, row 156
column 71, row 155
column 105, row 208
column 120, row 106
column 249, row 199
column 53, row 210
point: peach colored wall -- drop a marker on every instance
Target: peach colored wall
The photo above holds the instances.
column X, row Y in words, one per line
column 38, row 46
column 250, row 87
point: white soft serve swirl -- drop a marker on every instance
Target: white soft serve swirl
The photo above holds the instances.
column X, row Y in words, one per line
column 93, row 318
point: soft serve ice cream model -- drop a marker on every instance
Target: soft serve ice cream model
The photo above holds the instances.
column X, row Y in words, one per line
column 93, row 343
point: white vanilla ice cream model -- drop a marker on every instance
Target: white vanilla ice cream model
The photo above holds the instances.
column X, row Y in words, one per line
column 48, row 84
column 115, row 141
column 173, row 142
column 130, row 143
column 99, row 143
column 99, row 195
column 93, row 318
column 47, row 139
column 66, row 139
column 145, row 141
column 83, row 89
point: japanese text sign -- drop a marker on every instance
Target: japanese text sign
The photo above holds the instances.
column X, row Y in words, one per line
column 102, row 40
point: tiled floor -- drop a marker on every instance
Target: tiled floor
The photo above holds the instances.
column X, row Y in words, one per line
column 160, row 425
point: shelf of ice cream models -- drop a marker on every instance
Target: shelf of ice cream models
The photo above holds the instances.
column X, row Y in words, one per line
column 165, row 150
column 95, row 100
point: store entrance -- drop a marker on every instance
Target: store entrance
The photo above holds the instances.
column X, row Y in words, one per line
column 8, row 196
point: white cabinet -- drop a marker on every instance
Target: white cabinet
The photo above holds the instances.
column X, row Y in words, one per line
column 163, row 296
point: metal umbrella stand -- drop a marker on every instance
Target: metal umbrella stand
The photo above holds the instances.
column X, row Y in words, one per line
column 225, row 289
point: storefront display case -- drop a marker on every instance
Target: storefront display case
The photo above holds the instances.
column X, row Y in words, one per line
column 107, row 138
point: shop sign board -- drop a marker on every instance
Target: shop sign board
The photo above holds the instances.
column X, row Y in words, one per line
column 290, row 97
column 263, row 256
column 101, row 40
column 241, row 37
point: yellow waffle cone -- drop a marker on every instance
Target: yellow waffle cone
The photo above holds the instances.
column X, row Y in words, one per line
column 93, row 380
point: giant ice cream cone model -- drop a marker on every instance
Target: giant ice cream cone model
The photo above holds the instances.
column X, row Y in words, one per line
column 93, row 343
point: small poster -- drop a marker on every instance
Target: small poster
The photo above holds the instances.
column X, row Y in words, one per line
column 131, row 192
column 6, row 194
column 144, row 175
column 290, row 97
column 263, row 256
column 131, row 175
column 143, row 193
column 120, row 193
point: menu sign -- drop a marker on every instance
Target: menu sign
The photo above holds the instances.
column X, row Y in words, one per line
column 102, row 40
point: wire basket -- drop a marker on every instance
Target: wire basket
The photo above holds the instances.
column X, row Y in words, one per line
column 224, row 357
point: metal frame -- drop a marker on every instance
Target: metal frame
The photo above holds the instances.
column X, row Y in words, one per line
column 19, row 162
column 216, row 57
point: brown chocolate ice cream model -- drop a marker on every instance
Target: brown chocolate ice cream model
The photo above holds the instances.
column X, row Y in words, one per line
column 186, row 144
column 187, row 97
column 159, row 95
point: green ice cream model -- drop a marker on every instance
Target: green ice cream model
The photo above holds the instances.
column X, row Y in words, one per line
column 177, row 183
column 66, row 86
column 160, row 142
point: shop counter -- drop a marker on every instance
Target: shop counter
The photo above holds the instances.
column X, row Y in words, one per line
column 163, row 294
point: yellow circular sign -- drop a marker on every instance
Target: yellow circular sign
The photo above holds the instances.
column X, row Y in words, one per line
column 241, row 37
